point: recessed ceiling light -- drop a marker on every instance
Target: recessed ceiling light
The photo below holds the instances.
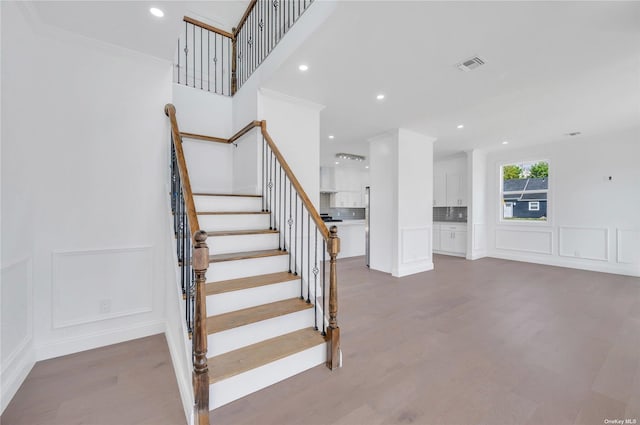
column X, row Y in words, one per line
column 366, row 166
column 337, row 162
column 460, row 125
column 303, row 67
column 380, row 96
column 158, row 13
column 331, row 136
column 506, row 142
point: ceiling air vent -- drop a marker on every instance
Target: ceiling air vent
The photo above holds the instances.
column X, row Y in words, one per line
column 470, row 64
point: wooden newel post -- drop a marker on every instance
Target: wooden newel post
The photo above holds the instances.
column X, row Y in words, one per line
column 200, row 366
column 333, row 331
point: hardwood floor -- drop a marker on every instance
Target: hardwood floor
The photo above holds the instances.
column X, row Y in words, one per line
column 128, row 383
column 473, row 342
column 486, row 341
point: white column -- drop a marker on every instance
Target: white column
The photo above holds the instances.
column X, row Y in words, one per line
column 401, row 173
column 477, row 208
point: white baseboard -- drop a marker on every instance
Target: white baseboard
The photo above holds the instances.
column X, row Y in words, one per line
column 16, row 372
column 408, row 269
column 98, row 339
column 554, row 261
column 476, row 255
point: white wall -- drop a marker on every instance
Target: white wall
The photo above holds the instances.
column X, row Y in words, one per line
column 84, row 172
column 294, row 126
column 593, row 221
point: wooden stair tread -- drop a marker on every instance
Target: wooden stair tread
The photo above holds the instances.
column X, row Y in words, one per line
column 232, row 256
column 227, row 194
column 241, row 360
column 221, row 287
column 235, row 319
column 242, row 232
column 230, row 212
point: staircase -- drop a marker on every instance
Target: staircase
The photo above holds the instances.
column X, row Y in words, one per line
column 260, row 303
column 259, row 329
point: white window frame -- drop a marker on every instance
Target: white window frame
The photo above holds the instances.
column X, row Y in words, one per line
column 515, row 222
column 534, row 203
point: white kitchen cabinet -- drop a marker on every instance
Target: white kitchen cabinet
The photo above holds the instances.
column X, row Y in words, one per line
column 450, row 183
column 346, row 200
column 455, row 190
column 327, row 179
column 453, row 239
column 439, row 190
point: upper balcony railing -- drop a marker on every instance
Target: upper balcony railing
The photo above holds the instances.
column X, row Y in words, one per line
column 218, row 61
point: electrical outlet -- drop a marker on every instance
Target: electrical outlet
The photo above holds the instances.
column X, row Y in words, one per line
column 105, row 306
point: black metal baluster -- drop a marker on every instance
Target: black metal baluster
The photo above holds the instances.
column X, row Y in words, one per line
column 178, row 60
column 283, row 228
column 273, row 200
column 295, row 260
column 315, row 276
column 290, row 224
column 302, row 246
column 263, row 183
column 282, row 208
column 324, row 272
column 194, row 55
column 308, row 257
column 186, row 55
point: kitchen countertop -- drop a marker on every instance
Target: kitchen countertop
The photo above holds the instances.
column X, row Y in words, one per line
column 459, row 221
column 347, row 223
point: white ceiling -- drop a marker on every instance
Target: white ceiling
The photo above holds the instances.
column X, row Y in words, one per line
column 551, row 68
column 129, row 23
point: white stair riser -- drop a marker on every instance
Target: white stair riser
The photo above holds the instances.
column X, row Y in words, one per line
column 242, row 243
column 227, row 203
column 238, row 386
column 232, row 339
column 213, row 223
column 252, row 297
column 226, row 270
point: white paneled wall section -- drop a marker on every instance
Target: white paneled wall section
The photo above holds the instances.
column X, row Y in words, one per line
column 594, row 203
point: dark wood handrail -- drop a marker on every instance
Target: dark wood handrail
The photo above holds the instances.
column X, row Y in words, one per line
column 244, row 17
column 320, row 224
column 247, row 128
column 200, row 262
column 170, row 111
column 203, row 137
column 208, row 27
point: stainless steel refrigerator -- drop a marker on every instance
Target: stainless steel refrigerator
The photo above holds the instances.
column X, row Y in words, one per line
column 367, row 218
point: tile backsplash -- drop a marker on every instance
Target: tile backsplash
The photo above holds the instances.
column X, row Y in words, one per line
column 457, row 214
column 347, row 213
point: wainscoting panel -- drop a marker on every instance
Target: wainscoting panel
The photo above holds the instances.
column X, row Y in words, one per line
column 17, row 356
column 588, row 243
column 628, row 244
column 89, row 286
column 536, row 241
column 479, row 237
column 17, row 313
column 415, row 244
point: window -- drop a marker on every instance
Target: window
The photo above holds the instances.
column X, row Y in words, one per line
column 524, row 187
